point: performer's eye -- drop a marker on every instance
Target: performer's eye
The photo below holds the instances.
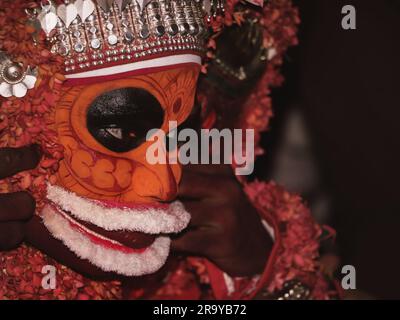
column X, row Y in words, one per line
column 115, row 132
column 120, row 119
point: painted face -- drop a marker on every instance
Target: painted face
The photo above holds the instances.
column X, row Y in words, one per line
column 110, row 205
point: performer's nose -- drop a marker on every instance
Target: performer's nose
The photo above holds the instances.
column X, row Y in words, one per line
column 156, row 182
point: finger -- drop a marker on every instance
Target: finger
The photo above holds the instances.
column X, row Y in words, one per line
column 14, row 160
column 197, row 237
column 192, row 241
column 202, row 187
column 195, row 185
column 199, row 213
column 11, row 235
column 16, row 206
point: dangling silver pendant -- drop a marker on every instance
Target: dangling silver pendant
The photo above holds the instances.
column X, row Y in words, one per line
column 207, row 6
column 48, row 18
column 85, row 8
column 67, row 13
column 34, row 23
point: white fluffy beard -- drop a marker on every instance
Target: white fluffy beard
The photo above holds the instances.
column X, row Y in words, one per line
column 58, row 217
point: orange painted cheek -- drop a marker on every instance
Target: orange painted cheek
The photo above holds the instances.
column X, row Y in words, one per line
column 123, row 173
column 81, row 163
column 105, row 174
column 102, row 174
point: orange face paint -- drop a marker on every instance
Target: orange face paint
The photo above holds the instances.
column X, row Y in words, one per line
column 94, row 171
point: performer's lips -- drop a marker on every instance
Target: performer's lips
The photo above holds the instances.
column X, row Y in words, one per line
column 129, row 239
column 131, row 225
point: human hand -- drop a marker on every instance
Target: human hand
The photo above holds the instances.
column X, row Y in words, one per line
column 225, row 227
column 17, row 208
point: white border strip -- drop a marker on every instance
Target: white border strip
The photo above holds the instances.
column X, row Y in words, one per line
column 148, row 220
column 151, row 63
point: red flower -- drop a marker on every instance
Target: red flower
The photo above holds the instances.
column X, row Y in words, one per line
column 299, row 237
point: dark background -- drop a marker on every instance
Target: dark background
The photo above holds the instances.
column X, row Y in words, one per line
column 345, row 85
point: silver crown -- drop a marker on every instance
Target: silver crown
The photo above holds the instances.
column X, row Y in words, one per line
column 93, row 33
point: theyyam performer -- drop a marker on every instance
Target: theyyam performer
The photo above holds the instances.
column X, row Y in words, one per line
column 81, row 84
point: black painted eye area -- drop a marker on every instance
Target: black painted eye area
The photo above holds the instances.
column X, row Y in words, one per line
column 120, row 119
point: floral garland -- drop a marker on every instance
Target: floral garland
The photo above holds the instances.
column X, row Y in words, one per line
column 21, row 278
column 298, row 239
column 30, row 119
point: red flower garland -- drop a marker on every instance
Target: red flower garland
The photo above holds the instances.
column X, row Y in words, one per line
column 299, row 238
column 30, row 119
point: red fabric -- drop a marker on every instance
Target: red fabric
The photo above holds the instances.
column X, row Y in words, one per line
column 217, row 281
